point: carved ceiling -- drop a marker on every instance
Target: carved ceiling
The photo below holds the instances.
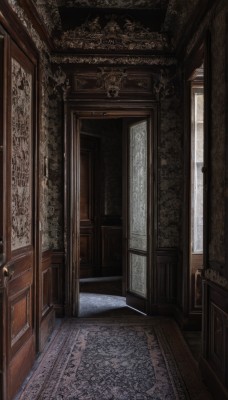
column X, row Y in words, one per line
column 112, row 26
column 126, row 4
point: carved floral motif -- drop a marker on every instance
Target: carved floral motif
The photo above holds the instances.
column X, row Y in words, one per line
column 21, row 156
column 114, row 34
column 113, row 3
column 123, row 60
column 215, row 277
column 110, row 80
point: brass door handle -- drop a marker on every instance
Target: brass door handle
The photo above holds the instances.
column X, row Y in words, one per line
column 7, row 273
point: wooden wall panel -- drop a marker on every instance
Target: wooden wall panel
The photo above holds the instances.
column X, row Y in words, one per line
column 167, row 263
column 214, row 362
column 58, row 282
column 47, row 313
column 46, row 283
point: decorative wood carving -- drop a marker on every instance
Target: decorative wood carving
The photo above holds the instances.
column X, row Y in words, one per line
column 215, row 277
column 61, row 81
column 114, row 33
column 21, row 125
column 111, row 80
column 113, row 60
column 110, row 4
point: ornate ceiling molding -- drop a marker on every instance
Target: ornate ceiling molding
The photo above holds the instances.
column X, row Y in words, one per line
column 49, row 13
column 113, row 34
column 126, row 4
column 113, row 60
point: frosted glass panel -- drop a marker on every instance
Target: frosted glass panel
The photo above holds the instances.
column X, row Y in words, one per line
column 138, row 186
column 197, row 164
column 138, row 275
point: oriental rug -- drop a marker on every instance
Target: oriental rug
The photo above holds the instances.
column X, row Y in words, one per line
column 141, row 358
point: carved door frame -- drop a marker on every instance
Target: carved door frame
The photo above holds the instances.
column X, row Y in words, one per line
column 73, row 113
column 23, row 261
column 199, row 56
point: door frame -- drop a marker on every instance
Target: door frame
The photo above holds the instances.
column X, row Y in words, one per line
column 199, row 55
column 101, row 110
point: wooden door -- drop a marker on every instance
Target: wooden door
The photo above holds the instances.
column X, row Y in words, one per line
column 17, row 279
column 138, row 213
column 89, row 206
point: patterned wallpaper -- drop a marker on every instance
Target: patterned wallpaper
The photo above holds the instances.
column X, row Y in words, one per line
column 55, row 179
column 170, row 173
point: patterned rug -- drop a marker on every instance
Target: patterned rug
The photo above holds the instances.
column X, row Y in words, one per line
column 143, row 358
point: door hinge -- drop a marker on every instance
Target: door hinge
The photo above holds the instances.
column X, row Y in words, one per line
column 1, row 148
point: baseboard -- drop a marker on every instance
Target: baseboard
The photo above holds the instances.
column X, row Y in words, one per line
column 46, row 328
column 211, row 380
column 59, row 311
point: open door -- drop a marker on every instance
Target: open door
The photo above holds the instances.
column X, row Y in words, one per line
column 138, row 213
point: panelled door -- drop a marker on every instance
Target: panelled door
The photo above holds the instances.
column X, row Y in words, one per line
column 17, row 281
column 89, row 206
column 139, row 217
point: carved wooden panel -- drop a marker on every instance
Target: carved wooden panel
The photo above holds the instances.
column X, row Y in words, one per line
column 218, row 333
column 112, row 82
column 58, row 282
column 20, row 297
column 167, row 276
column 111, row 250
column 21, row 163
column 20, row 315
column 215, row 338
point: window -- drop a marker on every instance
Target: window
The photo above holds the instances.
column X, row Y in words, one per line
column 197, row 161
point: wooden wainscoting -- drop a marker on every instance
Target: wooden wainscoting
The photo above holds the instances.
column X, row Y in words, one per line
column 167, row 264
column 20, row 341
column 214, row 361
column 47, row 309
column 58, row 282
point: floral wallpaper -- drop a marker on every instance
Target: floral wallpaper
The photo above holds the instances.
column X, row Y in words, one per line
column 170, row 172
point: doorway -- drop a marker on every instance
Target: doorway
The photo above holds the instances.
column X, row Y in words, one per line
column 196, row 190
column 136, row 233
column 101, row 274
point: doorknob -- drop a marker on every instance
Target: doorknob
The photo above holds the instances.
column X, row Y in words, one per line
column 7, row 273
